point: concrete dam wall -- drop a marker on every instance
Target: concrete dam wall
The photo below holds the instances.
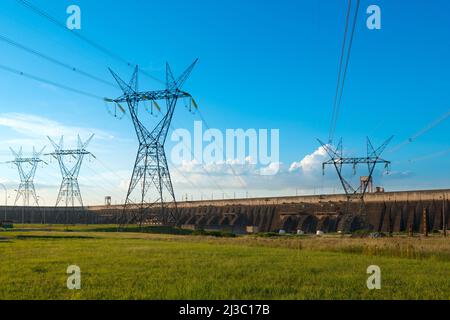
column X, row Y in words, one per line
column 386, row 212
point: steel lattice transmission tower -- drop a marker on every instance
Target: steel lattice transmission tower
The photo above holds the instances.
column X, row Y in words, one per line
column 151, row 169
column 27, row 170
column 338, row 160
column 70, row 190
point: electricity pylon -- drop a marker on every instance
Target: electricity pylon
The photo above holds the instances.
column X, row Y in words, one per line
column 27, row 170
column 70, row 190
column 371, row 160
column 151, row 167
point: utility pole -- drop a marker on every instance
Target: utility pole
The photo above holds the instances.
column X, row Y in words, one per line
column 70, row 190
column 27, row 170
column 371, row 160
column 151, row 166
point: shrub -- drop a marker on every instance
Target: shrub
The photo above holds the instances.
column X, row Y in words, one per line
column 220, row 234
column 268, row 234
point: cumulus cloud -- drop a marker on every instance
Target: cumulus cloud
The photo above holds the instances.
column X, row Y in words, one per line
column 310, row 162
column 233, row 173
column 228, row 167
column 275, row 177
column 272, row 169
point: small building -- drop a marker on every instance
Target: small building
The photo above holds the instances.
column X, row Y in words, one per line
column 379, row 190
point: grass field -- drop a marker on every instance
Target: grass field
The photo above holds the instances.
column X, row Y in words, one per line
column 132, row 265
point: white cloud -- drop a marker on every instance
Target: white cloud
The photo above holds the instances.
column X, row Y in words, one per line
column 228, row 167
column 33, row 126
column 3, row 180
column 272, row 169
column 310, row 162
column 231, row 174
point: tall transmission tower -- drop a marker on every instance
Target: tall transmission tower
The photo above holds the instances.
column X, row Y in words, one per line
column 338, row 160
column 27, row 170
column 150, row 168
column 70, row 190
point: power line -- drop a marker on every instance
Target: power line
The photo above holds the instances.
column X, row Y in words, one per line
column 82, row 178
column 347, row 62
column 337, row 104
column 104, row 50
column 187, row 179
column 203, row 168
column 338, row 82
column 421, row 132
column 231, row 167
column 122, row 178
column 99, row 176
column 426, row 157
column 53, row 60
column 52, row 83
column 47, row 16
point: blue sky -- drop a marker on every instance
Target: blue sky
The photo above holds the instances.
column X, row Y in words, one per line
column 262, row 64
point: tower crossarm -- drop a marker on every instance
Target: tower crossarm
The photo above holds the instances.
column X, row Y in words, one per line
column 26, row 160
column 63, row 153
column 78, row 155
column 153, row 96
column 357, row 160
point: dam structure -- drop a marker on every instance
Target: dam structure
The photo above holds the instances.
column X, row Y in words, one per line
column 401, row 211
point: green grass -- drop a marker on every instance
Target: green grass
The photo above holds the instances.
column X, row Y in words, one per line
column 127, row 265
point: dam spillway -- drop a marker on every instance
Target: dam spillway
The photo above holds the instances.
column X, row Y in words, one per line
column 386, row 212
